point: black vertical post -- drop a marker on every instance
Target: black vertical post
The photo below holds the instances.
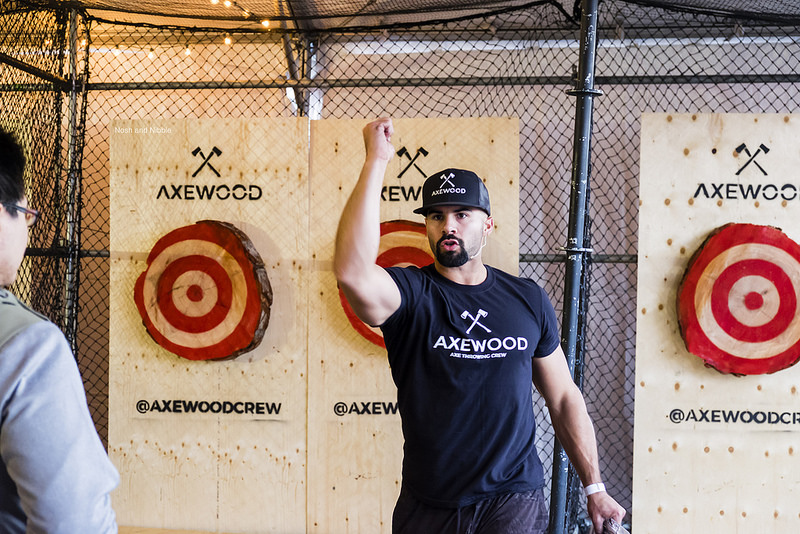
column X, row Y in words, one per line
column 572, row 331
column 72, row 238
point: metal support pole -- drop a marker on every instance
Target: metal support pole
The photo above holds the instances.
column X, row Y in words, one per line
column 70, row 283
column 294, row 74
column 313, row 96
column 292, row 64
column 572, row 326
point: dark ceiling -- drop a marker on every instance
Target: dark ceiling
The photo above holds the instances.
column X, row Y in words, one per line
column 342, row 15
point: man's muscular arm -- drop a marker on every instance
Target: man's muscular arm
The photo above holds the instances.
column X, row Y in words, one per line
column 574, row 431
column 369, row 289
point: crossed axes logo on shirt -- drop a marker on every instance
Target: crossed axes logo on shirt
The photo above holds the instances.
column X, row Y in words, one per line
column 475, row 319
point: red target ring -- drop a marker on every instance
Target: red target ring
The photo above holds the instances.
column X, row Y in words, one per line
column 738, row 300
column 205, row 293
column 402, row 243
column 166, row 294
column 721, row 301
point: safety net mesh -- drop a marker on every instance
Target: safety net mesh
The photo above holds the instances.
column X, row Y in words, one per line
column 326, row 60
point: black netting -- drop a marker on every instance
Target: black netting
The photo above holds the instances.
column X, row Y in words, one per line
column 782, row 12
column 42, row 102
column 517, row 61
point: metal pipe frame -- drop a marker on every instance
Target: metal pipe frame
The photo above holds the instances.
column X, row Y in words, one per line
column 318, row 83
column 58, row 82
column 72, row 187
column 575, row 297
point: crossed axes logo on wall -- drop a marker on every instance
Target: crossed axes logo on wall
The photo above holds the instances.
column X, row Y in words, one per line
column 403, row 152
column 206, row 159
column 752, row 157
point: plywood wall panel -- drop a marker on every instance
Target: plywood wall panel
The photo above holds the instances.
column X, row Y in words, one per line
column 328, row 460
column 357, row 451
column 695, row 469
column 234, row 472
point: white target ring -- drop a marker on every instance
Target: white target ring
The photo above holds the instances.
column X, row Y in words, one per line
column 174, row 323
column 200, row 294
column 739, row 300
column 757, row 294
column 205, row 293
column 721, row 324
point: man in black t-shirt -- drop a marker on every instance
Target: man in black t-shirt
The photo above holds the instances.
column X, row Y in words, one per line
column 464, row 341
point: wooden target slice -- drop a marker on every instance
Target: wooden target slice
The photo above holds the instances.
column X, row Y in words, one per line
column 402, row 243
column 205, row 294
column 738, row 300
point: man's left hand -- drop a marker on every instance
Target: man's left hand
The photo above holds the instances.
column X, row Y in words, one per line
column 602, row 506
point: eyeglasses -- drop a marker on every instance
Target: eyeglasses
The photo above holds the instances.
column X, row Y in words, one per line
column 31, row 216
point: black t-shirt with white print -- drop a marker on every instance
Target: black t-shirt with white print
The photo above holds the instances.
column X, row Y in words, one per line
column 461, row 359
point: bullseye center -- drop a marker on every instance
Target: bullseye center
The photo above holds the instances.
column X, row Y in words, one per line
column 753, row 300
column 195, row 293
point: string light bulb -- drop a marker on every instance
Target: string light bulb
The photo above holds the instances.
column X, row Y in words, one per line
column 215, row 2
column 117, row 51
column 228, row 39
column 227, row 3
column 188, row 50
column 151, row 54
column 265, row 23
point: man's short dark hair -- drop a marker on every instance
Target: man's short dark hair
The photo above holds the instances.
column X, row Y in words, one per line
column 12, row 167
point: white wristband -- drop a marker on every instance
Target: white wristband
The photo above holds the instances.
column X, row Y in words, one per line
column 597, row 487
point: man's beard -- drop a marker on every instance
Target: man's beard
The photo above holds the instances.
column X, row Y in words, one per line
column 451, row 258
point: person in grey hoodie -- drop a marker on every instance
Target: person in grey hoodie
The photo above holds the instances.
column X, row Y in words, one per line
column 55, row 475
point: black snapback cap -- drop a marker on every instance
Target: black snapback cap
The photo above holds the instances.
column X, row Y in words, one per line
column 454, row 187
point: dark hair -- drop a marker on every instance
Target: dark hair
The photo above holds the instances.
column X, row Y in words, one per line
column 12, row 167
